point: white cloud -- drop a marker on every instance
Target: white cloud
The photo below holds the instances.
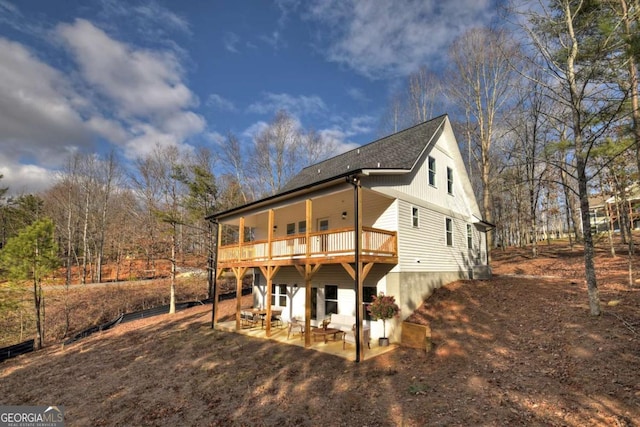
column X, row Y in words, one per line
column 152, row 103
column 389, row 38
column 361, row 125
column 274, row 40
column 219, row 102
column 340, row 134
column 339, row 139
column 216, row 138
column 296, row 105
column 230, row 41
column 24, row 179
column 358, row 95
column 110, row 130
column 152, row 14
column 129, row 96
column 148, row 18
column 148, row 137
column 254, row 129
column 184, row 124
column 11, row 15
column 141, row 82
column 38, row 115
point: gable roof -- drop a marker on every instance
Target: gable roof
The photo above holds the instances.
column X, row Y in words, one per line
column 399, row 151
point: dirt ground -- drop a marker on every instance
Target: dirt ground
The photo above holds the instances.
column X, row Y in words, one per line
column 514, row 350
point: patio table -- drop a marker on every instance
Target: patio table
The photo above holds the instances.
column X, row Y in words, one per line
column 262, row 312
column 322, row 332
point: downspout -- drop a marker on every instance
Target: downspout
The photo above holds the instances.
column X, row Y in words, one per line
column 486, row 247
column 213, row 272
column 355, row 181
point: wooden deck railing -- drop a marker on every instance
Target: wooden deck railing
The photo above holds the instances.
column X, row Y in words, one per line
column 323, row 243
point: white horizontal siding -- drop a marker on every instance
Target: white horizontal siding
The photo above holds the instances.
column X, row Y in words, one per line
column 424, row 248
column 386, row 219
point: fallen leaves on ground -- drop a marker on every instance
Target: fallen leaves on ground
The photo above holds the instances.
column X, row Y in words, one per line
column 519, row 349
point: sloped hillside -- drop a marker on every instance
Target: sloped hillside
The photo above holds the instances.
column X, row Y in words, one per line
column 508, row 351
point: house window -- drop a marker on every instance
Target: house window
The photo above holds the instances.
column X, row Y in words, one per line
column 368, row 292
column 302, row 227
column 414, row 217
column 314, row 303
column 279, row 295
column 330, row 300
column 469, row 237
column 449, row 180
column 432, row 171
column 448, row 223
column 291, row 228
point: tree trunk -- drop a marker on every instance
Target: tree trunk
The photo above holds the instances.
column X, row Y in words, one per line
column 609, row 224
column 633, row 74
column 85, row 244
column 172, row 302
column 487, row 202
column 589, row 267
column 37, row 299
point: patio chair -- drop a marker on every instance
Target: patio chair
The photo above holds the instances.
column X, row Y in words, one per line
column 350, row 336
column 296, row 326
column 276, row 320
column 248, row 319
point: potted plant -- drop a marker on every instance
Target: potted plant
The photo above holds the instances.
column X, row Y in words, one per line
column 383, row 307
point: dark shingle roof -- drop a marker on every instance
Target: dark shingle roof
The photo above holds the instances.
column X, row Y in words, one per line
column 398, row 151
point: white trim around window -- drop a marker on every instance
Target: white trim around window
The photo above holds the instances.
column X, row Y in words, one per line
column 448, row 226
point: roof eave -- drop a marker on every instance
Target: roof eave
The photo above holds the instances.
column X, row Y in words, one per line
column 284, row 196
column 484, row 224
column 369, row 172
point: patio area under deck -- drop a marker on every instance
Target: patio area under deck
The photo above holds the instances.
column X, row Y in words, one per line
column 333, row 348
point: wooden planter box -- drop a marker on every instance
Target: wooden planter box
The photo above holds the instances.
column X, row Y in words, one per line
column 416, row 336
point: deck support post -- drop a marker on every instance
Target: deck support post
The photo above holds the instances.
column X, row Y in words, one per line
column 239, row 272
column 358, row 273
column 307, row 271
column 216, row 273
column 269, row 273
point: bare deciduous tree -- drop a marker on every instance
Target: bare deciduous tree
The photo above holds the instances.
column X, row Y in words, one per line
column 274, row 154
column 424, row 90
column 481, row 83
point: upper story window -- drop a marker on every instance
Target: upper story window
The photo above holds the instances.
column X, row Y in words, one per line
column 449, row 180
column 469, row 237
column 448, row 225
column 432, row 171
column 414, row 217
column 291, row 228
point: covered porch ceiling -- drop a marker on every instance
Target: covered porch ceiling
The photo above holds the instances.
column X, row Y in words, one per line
column 324, row 205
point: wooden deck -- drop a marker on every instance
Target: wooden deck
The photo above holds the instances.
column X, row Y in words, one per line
column 325, row 247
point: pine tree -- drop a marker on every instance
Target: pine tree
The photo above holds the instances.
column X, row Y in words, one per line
column 30, row 256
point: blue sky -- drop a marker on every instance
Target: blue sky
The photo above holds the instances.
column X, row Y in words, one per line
column 96, row 75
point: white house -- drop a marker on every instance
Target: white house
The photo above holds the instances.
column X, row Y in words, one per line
column 409, row 199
